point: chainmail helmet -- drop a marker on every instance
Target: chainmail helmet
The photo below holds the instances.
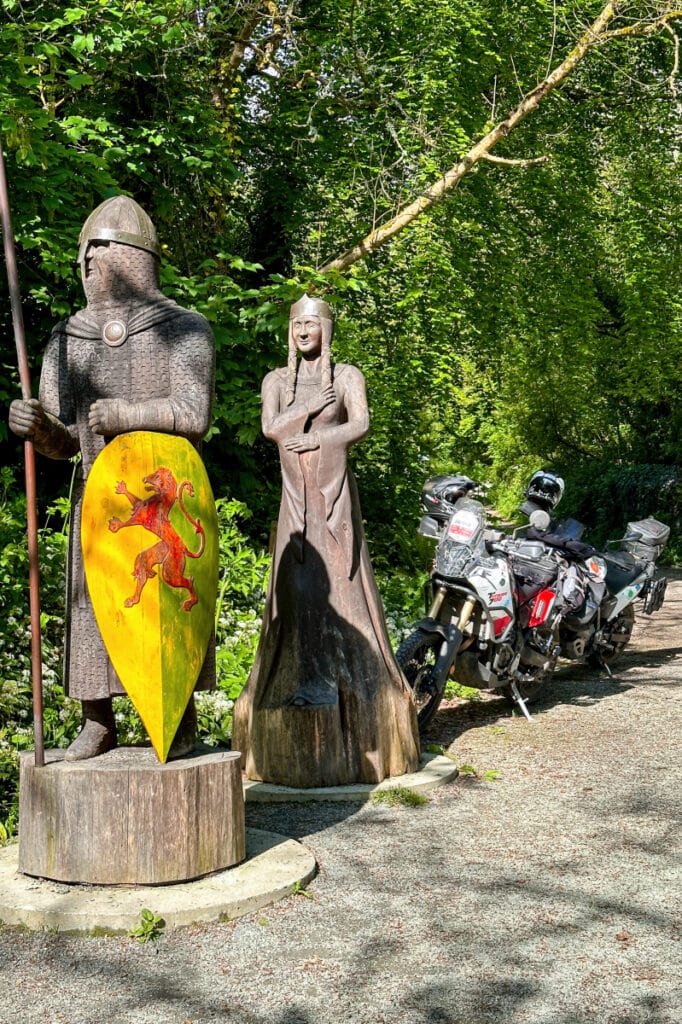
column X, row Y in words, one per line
column 545, row 488
column 307, row 306
column 119, row 219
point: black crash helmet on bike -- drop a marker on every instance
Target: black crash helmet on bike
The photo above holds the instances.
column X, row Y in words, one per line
column 545, row 488
column 440, row 493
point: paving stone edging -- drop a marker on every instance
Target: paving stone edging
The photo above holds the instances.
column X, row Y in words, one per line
column 273, row 867
column 434, row 770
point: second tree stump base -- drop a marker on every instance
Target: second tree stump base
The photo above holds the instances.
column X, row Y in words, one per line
column 334, row 745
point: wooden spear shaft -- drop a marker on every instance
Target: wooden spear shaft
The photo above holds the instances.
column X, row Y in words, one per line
column 30, row 469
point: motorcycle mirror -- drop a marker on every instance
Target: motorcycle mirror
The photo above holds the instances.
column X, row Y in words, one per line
column 430, row 527
column 540, row 519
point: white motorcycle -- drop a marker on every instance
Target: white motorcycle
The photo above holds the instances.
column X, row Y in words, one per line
column 503, row 609
column 599, row 629
column 495, row 610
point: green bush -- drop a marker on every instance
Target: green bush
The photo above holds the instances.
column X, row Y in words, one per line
column 605, row 496
column 16, row 711
column 241, row 592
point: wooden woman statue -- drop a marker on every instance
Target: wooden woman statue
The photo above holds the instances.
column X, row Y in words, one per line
column 326, row 703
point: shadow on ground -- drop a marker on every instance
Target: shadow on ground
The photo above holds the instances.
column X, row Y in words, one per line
column 571, row 684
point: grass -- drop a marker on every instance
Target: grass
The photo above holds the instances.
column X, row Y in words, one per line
column 398, row 796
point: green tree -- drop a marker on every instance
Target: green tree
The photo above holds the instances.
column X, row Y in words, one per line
column 516, row 298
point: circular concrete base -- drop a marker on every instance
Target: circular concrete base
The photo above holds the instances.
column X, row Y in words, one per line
column 273, row 867
column 434, row 770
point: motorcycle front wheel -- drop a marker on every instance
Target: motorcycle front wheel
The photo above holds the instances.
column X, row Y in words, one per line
column 417, row 656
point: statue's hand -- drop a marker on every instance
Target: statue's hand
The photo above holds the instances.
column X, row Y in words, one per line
column 327, row 397
column 26, row 417
column 104, row 416
column 303, row 442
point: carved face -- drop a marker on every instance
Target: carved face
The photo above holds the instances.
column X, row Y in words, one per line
column 113, row 271
column 104, row 270
column 307, row 332
column 162, row 482
column 94, row 265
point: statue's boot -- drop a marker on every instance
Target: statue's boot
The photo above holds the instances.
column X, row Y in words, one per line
column 98, row 732
column 186, row 736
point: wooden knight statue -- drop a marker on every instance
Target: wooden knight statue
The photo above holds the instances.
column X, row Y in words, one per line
column 132, row 360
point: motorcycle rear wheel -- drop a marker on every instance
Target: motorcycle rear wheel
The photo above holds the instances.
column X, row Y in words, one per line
column 417, row 656
column 620, row 634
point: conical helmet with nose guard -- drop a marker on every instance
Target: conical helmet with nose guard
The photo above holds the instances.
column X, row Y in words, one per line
column 119, row 219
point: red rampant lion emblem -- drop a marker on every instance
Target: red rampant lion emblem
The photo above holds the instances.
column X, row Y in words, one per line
column 171, row 552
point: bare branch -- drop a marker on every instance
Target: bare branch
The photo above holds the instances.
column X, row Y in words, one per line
column 554, row 28
column 672, row 77
column 244, row 38
column 594, row 36
column 642, row 27
column 381, row 235
column 510, row 162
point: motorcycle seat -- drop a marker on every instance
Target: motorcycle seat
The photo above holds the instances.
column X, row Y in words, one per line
column 621, row 569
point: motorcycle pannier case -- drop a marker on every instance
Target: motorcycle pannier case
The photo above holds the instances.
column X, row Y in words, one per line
column 646, row 538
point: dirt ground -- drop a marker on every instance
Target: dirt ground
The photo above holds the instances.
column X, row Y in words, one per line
column 550, row 894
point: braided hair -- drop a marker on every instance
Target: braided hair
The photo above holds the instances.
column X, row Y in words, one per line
column 316, row 308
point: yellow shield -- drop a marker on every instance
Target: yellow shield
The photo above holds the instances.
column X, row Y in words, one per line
column 150, row 547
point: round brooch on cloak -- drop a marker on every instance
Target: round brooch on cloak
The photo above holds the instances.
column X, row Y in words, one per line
column 114, row 332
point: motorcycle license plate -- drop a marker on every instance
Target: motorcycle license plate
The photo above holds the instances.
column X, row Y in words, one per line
column 463, row 526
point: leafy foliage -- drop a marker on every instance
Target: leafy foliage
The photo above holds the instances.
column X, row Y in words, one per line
column 611, row 496
column 60, row 715
column 533, row 317
column 150, row 927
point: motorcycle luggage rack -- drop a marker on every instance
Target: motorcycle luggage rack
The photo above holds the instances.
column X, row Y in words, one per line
column 645, row 539
column 654, row 595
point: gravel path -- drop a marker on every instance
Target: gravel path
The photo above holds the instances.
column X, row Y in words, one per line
column 550, row 895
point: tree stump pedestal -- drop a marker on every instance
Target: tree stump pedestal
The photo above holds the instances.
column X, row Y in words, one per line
column 309, row 747
column 125, row 818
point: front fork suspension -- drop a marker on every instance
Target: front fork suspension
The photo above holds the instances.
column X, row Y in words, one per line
column 450, row 633
column 464, row 615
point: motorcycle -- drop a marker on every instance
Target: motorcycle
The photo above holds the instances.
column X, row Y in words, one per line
column 598, row 630
column 607, row 584
column 504, row 609
column 495, row 611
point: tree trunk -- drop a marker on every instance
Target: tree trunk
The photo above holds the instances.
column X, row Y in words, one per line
column 310, row 747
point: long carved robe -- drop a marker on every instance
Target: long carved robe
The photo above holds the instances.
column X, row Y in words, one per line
column 324, row 644
column 165, row 368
